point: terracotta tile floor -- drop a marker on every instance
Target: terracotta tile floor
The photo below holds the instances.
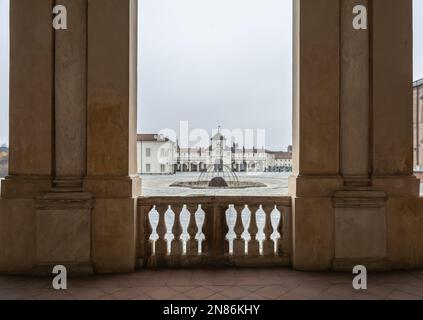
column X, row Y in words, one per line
column 234, row 284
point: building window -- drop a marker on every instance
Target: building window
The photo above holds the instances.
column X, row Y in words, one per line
column 162, row 168
column 148, row 152
column 148, row 168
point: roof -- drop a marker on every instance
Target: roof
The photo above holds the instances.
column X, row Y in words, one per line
column 147, row 137
column 218, row 136
column 283, row 155
column 418, row 83
column 151, row 137
column 193, row 150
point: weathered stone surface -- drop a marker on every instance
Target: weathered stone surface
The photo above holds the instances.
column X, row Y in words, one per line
column 114, row 235
column 355, row 98
column 313, row 233
column 392, row 88
column 31, row 103
column 360, row 229
column 63, row 224
column 112, row 88
column 405, row 236
column 316, row 87
column 71, row 94
column 17, row 235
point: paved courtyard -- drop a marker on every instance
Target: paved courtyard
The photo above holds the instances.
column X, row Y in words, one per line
column 276, row 185
column 156, row 185
column 232, row 284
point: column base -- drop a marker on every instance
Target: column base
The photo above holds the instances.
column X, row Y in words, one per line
column 63, row 230
column 397, row 186
column 24, row 187
column 68, row 184
column 360, row 229
column 113, row 187
column 114, row 222
column 354, row 182
column 314, row 186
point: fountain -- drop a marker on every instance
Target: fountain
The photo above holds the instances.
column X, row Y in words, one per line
column 218, row 175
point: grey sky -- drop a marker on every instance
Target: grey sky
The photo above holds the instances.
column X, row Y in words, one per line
column 211, row 62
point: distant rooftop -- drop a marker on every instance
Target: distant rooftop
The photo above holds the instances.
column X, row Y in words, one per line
column 154, row 137
column 151, row 137
column 418, row 83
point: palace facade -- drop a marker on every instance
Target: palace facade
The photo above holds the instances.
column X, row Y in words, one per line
column 159, row 155
column 418, row 124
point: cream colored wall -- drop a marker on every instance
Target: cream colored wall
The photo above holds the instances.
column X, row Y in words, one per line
column 156, row 160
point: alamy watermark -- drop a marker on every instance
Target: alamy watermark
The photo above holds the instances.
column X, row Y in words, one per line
column 60, row 18
column 196, row 138
column 60, row 281
column 360, row 280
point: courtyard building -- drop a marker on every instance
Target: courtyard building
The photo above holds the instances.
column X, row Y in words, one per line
column 218, row 154
column 159, row 155
column 4, row 160
column 418, row 125
column 280, row 160
column 155, row 154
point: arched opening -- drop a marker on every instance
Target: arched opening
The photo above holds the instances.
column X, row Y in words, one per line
column 220, row 73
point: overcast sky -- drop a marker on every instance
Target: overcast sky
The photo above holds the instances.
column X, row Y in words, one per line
column 211, row 62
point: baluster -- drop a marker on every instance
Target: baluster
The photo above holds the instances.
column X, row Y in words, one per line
column 276, row 219
column 268, row 243
column 153, row 236
column 253, row 245
column 184, row 217
column 169, row 218
column 192, row 244
column 161, row 245
column 246, row 220
column 227, row 245
column 177, row 232
column 261, row 222
column 239, row 246
column 202, row 239
column 231, row 217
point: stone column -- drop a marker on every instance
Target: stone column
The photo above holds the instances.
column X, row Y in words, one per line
column 355, row 98
column 392, row 118
column 31, row 99
column 64, row 213
column 360, row 215
column 111, row 132
column 316, row 131
column 354, row 195
column 31, row 131
column 71, row 98
column 392, row 153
